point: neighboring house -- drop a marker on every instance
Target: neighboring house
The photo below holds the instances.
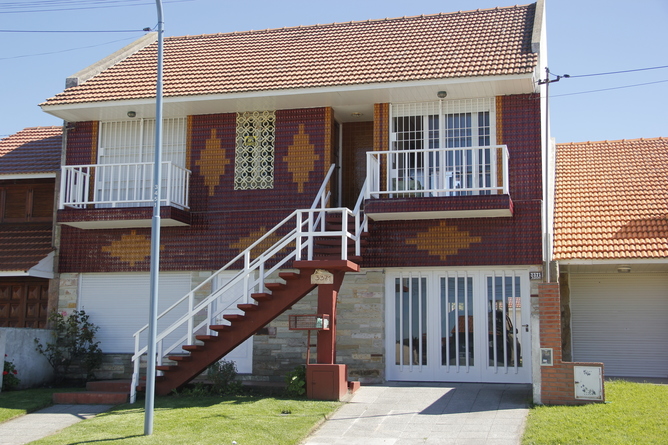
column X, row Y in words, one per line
column 29, row 161
column 611, row 245
column 429, row 130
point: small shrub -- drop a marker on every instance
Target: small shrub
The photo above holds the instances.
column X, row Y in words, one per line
column 223, row 376
column 295, row 382
column 9, row 379
column 73, row 344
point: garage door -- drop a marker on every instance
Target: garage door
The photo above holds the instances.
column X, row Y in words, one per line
column 119, row 304
column 621, row 320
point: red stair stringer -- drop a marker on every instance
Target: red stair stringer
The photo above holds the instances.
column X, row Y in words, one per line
column 242, row 327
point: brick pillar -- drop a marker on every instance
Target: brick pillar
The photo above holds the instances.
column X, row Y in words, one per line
column 557, row 382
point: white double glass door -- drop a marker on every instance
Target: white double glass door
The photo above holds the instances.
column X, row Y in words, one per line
column 458, row 326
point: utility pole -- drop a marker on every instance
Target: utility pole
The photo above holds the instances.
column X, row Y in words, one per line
column 546, row 236
column 155, row 239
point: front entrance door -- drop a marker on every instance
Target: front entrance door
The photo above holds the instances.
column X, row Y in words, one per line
column 463, row 325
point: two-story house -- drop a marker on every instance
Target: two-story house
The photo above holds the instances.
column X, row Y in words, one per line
column 29, row 161
column 397, row 161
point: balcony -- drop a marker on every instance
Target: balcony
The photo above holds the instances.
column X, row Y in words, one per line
column 470, row 182
column 119, row 195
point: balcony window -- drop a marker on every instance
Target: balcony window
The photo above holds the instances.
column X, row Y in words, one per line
column 123, row 175
column 443, row 145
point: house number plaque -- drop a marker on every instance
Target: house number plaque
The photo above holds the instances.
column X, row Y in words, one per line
column 321, row 276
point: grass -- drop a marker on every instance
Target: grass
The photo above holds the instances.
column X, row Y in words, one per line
column 634, row 413
column 17, row 403
column 190, row 420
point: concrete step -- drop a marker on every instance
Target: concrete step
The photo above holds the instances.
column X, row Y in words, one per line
column 90, row 398
column 109, row 386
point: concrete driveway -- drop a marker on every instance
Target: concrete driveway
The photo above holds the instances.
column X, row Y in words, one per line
column 429, row 413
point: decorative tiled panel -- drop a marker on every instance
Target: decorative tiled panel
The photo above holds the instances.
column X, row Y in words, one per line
column 514, row 240
column 223, row 221
column 81, row 143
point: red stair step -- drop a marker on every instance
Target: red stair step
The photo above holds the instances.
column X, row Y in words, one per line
column 259, row 297
column 166, row 368
column 234, row 317
column 275, row 286
column 180, row 358
column 248, row 307
column 206, row 338
column 220, row 327
column 287, row 276
column 192, row 348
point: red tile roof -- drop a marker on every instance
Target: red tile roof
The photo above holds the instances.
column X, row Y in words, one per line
column 23, row 245
column 32, row 150
column 463, row 44
column 611, row 200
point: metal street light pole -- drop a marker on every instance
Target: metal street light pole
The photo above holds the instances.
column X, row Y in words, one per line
column 155, row 239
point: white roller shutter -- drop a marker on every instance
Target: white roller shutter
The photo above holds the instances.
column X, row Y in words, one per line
column 119, row 304
column 622, row 321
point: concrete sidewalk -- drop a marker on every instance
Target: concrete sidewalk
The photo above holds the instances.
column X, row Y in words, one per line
column 45, row 422
column 414, row 413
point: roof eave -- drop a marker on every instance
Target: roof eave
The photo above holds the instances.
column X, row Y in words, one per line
column 334, row 96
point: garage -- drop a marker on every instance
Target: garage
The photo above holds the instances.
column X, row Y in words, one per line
column 622, row 321
column 119, row 304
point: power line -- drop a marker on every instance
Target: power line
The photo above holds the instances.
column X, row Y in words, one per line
column 65, row 50
column 71, row 5
column 608, row 89
column 80, row 31
column 618, row 72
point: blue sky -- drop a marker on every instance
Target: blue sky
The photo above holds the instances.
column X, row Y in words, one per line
column 584, row 37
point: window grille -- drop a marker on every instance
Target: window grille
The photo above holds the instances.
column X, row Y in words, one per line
column 133, row 141
column 254, row 157
column 464, row 126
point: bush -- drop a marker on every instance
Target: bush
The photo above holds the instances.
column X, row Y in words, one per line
column 9, row 379
column 295, row 382
column 223, row 376
column 73, row 344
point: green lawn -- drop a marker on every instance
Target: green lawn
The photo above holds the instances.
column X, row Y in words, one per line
column 18, row 403
column 634, row 413
column 202, row 420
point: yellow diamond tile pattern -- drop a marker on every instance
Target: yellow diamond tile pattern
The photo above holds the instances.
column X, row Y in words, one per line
column 443, row 240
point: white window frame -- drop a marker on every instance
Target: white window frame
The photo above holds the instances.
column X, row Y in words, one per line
column 480, row 164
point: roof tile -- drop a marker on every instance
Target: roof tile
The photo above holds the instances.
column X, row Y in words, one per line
column 475, row 43
column 32, row 150
column 611, row 200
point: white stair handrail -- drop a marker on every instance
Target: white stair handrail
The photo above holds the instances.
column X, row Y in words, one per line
column 308, row 224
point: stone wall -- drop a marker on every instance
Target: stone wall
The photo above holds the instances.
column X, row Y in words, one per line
column 360, row 333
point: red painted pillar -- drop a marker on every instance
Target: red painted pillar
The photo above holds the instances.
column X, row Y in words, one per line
column 327, row 293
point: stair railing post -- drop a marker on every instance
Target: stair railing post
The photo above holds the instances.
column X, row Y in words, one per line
column 298, row 237
column 135, row 372
column 191, row 321
column 344, row 234
column 309, row 238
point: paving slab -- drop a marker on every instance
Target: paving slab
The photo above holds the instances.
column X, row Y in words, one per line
column 410, row 413
column 45, row 422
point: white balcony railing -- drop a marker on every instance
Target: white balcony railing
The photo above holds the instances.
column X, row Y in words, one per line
column 122, row 185
column 437, row 172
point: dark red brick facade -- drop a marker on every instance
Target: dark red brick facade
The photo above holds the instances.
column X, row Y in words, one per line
column 224, row 220
column 222, row 223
